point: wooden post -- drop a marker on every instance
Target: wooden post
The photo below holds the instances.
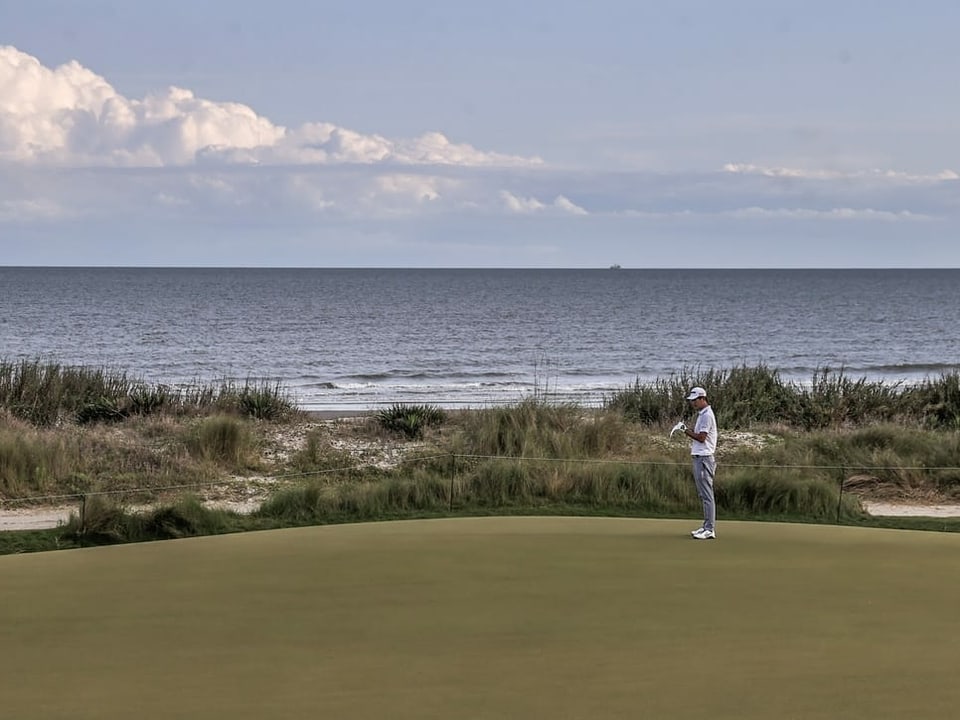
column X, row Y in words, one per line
column 453, row 477
column 843, row 479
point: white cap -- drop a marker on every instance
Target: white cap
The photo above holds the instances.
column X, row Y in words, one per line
column 697, row 392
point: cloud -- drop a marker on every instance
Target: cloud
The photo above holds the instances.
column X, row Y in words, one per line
column 73, row 151
column 782, row 213
column 416, row 187
column 566, row 205
column 831, row 214
column 520, row 205
column 530, row 205
column 31, row 210
column 70, row 116
column 821, row 174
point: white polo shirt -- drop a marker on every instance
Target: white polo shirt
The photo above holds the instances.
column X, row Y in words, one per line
column 706, row 422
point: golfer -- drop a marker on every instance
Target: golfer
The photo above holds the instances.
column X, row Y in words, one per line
column 702, row 448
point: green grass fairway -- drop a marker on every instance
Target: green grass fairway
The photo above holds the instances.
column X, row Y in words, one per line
column 489, row 618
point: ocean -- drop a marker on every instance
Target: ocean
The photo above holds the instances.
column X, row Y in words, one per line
column 362, row 339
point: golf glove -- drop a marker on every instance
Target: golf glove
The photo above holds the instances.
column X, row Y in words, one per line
column 679, row 427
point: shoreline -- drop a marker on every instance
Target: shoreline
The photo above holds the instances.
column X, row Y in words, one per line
column 336, row 414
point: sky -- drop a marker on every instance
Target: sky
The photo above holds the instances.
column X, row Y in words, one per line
column 432, row 133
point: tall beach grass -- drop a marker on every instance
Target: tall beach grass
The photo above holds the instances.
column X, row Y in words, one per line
column 46, row 393
column 748, row 396
column 814, row 450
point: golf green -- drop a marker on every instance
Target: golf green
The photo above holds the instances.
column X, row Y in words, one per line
column 489, row 618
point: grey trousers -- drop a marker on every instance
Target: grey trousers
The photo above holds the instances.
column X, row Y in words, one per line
column 704, row 469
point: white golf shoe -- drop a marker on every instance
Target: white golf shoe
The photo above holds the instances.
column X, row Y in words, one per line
column 697, row 531
column 704, row 534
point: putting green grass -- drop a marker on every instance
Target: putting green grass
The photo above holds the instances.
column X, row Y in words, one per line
column 489, row 618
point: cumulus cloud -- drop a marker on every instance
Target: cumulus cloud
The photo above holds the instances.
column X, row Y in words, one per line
column 71, row 116
column 566, row 205
column 520, row 205
column 529, row 205
column 72, row 147
column 416, row 187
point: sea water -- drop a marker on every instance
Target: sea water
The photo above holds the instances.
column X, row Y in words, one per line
column 365, row 338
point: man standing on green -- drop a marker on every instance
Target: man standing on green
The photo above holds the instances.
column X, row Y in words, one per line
column 702, row 448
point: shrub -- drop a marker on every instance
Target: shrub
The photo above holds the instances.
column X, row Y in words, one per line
column 100, row 522
column 264, row 402
column 936, row 402
column 751, row 492
column 104, row 522
column 745, row 396
column 534, row 428
column 319, row 455
column 645, row 404
column 31, row 462
column 187, row 518
column 409, row 420
column 220, row 438
column 147, row 400
column 43, row 392
column 103, row 409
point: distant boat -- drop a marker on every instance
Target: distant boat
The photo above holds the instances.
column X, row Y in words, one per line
column 615, row 266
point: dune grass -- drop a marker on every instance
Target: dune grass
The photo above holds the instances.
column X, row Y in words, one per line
column 532, row 457
column 493, row 617
column 46, row 392
column 142, row 454
column 747, row 396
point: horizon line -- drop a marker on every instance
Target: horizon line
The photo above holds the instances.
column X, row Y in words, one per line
column 607, row 268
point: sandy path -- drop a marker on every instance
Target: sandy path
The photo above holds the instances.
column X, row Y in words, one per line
column 51, row 516
column 894, row 509
column 35, row 518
